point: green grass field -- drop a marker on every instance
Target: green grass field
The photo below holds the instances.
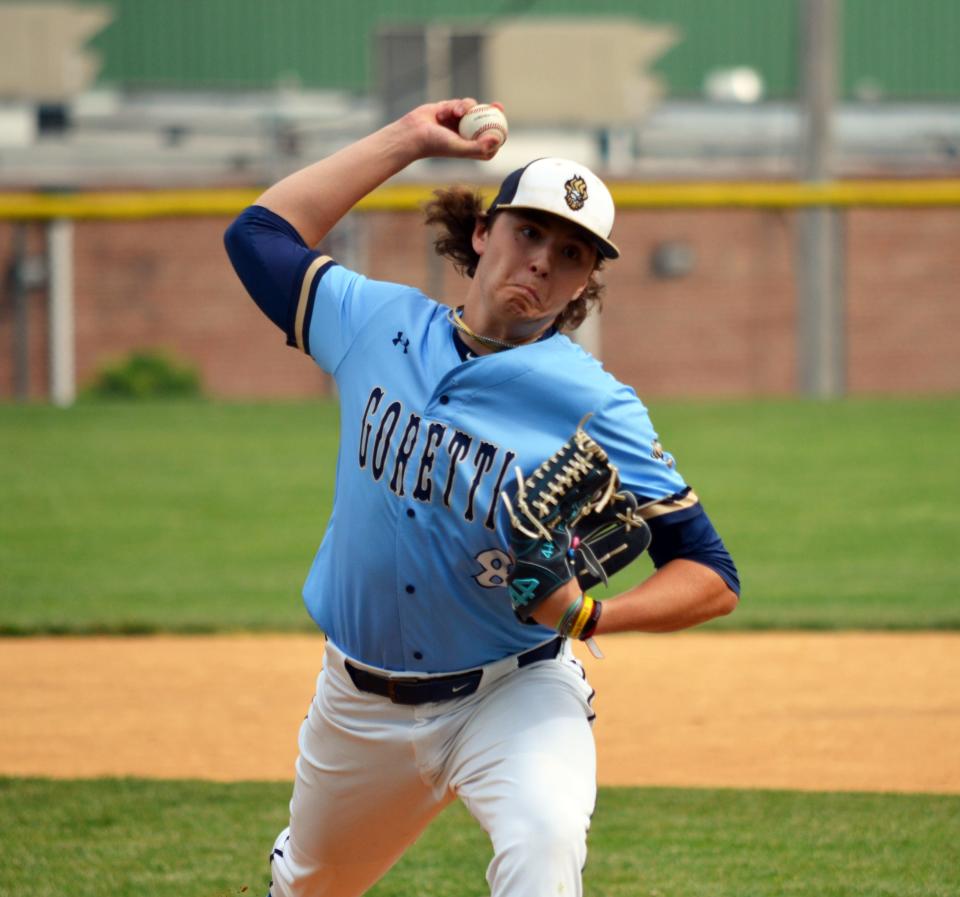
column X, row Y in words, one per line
column 123, row 838
column 196, row 516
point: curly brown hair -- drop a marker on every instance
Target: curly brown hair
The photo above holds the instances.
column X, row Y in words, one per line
column 455, row 212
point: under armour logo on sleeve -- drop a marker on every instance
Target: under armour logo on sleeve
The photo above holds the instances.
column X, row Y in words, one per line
column 401, row 341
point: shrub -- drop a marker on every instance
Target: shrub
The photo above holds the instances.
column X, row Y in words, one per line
column 146, row 375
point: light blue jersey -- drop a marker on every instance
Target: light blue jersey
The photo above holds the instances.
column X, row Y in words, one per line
column 411, row 573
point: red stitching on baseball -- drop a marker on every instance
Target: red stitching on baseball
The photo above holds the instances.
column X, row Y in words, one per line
column 492, row 126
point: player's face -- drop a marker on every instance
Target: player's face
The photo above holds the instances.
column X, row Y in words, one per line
column 532, row 265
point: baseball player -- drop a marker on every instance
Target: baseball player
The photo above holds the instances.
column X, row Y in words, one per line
column 433, row 687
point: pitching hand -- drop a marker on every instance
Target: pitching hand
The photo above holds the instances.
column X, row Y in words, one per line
column 433, row 128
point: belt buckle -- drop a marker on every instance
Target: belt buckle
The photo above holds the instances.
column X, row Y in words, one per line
column 394, row 681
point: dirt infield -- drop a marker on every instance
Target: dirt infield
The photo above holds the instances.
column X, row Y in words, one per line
column 863, row 712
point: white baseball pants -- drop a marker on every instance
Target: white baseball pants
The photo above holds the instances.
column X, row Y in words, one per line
column 371, row 774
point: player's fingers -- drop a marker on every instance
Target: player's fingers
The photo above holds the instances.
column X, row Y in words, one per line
column 465, row 105
column 489, row 144
column 446, row 141
column 449, row 112
column 450, row 142
column 483, row 148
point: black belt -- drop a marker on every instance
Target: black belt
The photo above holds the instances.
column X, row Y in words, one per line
column 413, row 690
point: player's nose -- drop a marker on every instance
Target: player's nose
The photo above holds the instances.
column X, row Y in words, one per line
column 540, row 259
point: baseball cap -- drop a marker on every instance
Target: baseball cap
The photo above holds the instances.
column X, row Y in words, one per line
column 566, row 189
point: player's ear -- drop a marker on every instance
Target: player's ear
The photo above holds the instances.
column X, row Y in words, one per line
column 481, row 230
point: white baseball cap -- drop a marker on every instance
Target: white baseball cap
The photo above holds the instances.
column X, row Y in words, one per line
column 566, row 189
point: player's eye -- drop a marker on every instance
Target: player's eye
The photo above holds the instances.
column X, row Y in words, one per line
column 575, row 252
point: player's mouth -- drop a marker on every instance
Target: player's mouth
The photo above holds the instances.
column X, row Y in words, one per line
column 528, row 292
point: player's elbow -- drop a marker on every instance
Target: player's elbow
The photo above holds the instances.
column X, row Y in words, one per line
column 725, row 602
column 723, row 592
column 717, row 599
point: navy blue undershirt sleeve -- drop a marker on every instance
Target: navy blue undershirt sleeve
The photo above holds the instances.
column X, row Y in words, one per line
column 270, row 259
column 689, row 534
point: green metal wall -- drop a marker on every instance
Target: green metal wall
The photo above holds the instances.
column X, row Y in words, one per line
column 906, row 48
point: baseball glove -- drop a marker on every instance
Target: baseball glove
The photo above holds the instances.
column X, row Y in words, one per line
column 610, row 540
column 570, row 520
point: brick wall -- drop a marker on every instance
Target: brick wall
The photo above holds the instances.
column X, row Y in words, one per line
column 168, row 283
column 727, row 328
column 36, row 318
column 903, row 300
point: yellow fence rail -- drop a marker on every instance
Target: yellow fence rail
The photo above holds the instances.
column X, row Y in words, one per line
column 409, row 197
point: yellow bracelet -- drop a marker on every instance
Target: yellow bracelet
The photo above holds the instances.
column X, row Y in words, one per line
column 586, row 611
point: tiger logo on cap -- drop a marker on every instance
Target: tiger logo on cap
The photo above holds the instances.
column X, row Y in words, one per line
column 576, row 194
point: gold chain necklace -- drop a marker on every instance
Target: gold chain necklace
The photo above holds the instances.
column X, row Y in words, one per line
column 491, row 342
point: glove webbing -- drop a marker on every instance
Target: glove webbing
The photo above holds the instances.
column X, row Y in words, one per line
column 574, row 461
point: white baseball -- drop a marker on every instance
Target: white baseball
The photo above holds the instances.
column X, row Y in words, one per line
column 484, row 119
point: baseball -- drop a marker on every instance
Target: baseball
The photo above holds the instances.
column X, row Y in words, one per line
column 484, row 119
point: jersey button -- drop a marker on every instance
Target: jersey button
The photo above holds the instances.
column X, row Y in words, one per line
column 417, row 655
column 444, row 400
column 410, row 589
column 411, row 512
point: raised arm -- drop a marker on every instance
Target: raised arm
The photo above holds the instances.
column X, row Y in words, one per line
column 315, row 198
column 270, row 243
